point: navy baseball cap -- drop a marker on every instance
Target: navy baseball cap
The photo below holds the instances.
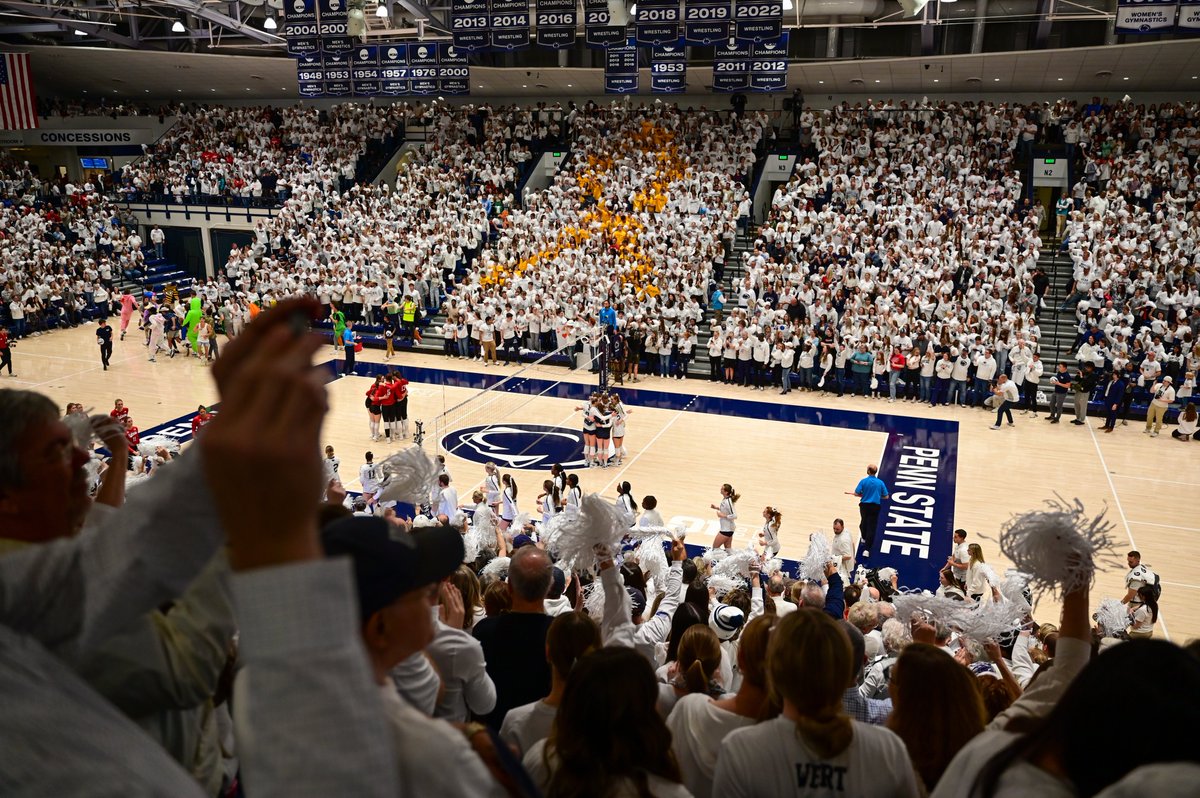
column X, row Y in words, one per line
column 519, row 541
column 389, row 562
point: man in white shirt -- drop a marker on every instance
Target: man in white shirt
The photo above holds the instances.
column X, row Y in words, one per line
column 1006, row 394
column 447, row 499
column 776, row 587
column 1138, row 577
column 843, row 550
column 1162, row 394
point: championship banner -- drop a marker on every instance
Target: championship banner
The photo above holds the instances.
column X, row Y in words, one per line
column 454, row 76
column 310, row 76
column 469, row 23
column 510, row 24
column 758, row 20
column 393, row 69
column 668, row 68
column 332, row 23
column 423, row 69
column 1146, row 16
column 731, row 68
column 597, row 31
column 1189, row 16
column 769, row 65
column 365, row 73
column 657, row 22
column 555, row 21
column 621, row 69
column 337, row 76
column 706, row 22
column 300, row 27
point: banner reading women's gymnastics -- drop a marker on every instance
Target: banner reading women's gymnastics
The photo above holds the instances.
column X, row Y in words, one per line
column 1189, row 16
column 1146, row 16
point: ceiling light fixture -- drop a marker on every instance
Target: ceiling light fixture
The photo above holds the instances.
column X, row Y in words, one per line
column 1060, row 79
column 1125, row 78
column 177, row 27
column 79, row 32
column 820, row 81
column 995, row 80
column 270, row 24
column 788, row 5
column 381, row 11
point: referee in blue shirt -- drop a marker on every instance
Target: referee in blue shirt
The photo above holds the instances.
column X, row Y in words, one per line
column 871, row 492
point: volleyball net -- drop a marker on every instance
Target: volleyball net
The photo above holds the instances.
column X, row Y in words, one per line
column 503, row 422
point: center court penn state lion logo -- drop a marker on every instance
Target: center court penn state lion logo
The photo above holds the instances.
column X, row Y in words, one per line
column 517, row 446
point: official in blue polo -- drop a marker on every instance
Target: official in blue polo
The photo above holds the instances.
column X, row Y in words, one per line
column 871, row 492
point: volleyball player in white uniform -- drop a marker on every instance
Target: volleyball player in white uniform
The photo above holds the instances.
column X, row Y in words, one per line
column 619, row 413
column 368, row 476
column 589, row 432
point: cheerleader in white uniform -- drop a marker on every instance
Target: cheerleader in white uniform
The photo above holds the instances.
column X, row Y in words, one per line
column 726, row 517
column 769, row 536
column 619, row 414
column 549, row 500
column 625, row 503
column 508, row 501
column 589, row 432
column 491, row 486
column 574, row 497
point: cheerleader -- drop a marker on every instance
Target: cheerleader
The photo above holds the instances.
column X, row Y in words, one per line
column 559, row 476
column 625, row 503
column 726, row 517
column 400, row 389
column 603, row 423
column 491, row 486
column 650, row 515
column 619, row 414
column 374, row 411
column 550, row 500
column 574, row 497
column 769, row 536
column 589, row 431
column 508, row 501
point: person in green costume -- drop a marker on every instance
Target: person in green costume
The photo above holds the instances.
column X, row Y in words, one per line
column 191, row 321
column 339, row 325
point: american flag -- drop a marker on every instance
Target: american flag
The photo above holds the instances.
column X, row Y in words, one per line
column 18, row 109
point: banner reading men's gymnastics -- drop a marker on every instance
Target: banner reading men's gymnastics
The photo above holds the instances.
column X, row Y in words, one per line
column 657, row 22
column 731, row 68
column 1146, row 16
column 510, row 24
column 1189, row 16
column 621, row 69
column 310, row 76
column 555, row 21
column 596, row 28
column 337, row 76
column 469, row 22
column 758, row 20
column 769, row 65
column 454, row 76
column 333, row 24
column 706, row 21
column 668, row 68
column 300, row 27
column 393, row 69
column 365, row 73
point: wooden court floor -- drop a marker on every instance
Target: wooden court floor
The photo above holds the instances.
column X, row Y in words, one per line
column 1150, row 486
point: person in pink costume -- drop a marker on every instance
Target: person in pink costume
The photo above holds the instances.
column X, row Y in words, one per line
column 128, row 305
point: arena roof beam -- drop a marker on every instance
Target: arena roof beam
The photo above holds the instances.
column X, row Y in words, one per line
column 70, row 23
column 223, row 20
column 420, row 10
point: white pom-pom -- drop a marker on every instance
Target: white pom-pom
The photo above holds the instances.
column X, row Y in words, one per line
column 408, row 476
column 1012, row 587
column 81, row 428
column 1112, row 617
column 593, row 600
column 134, row 481
column 740, row 563
column 496, row 570
column 1057, row 547
column 574, row 539
column 470, row 546
column 714, row 556
column 990, row 620
column 812, row 567
column 772, row 566
column 152, row 443
column 652, row 559
column 723, row 584
column 521, row 521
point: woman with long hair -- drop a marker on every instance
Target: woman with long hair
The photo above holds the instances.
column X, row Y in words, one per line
column 491, row 487
column 812, row 747
column 607, row 738
column 697, row 668
column 589, row 431
column 1187, row 425
column 769, row 536
column 374, row 395
column 979, row 586
column 937, row 708
column 571, row 636
column 400, row 391
column 574, row 498
column 619, row 414
column 603, row 420
column 625, row 502
column 726, row 517
column 1143, row 614
column 699, row 722
column 468, row 585
column 508, row 501
column 549, row 500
